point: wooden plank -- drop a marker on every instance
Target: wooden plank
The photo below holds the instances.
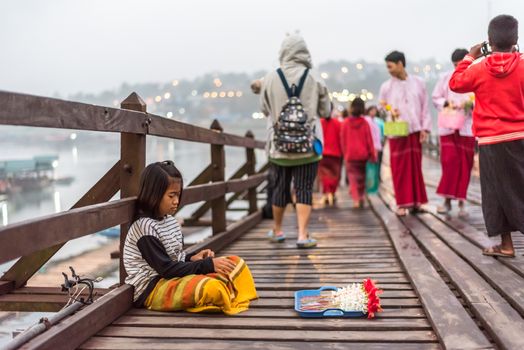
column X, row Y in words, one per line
column 272, row 323
column 73, row 331
column 481, row 240
column 452, row 324
column 28, row 265
column 506, row 281
column 32, row 235
column 218, row 161
column 396, row 313
column 503, row 323
column 271, row 335
column 118, row 343
column 29, row 110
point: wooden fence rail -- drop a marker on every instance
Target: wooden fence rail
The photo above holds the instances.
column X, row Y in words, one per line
column 35, row 241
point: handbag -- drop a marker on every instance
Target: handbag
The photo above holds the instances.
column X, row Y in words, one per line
column 451, row 118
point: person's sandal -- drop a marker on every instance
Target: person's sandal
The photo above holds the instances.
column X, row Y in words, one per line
column 276, row 238
column 401, row 212
column 306, row 243
column 444, row 209
column 497, row 251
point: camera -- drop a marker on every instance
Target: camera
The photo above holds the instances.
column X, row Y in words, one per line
column 485, row 49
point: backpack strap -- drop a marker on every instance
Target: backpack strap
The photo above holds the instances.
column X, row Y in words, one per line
column 284, row 82
column 301, row 83
column 294, row 90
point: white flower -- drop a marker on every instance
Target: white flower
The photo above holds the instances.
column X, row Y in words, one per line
column 351, row 298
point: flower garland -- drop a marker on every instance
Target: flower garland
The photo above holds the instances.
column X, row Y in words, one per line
column 361, row 297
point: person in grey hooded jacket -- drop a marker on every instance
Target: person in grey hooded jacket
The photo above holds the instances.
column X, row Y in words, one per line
column 301, row 168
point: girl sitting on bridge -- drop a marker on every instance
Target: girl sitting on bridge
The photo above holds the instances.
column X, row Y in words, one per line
column 164, row 277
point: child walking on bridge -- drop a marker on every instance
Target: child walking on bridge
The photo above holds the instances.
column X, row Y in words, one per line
column 164, row 277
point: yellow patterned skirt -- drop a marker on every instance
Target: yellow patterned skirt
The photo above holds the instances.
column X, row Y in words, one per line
column 213, row 292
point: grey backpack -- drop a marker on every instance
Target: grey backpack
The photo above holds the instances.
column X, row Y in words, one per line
column 292, row 131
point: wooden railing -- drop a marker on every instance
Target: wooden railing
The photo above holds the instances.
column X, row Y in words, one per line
column 35, row 241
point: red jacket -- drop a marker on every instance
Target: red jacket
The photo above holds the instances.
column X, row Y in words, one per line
column 357, row 143
column 331, row 133
column 498, row 84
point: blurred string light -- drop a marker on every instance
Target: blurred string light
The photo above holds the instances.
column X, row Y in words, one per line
column 438, row 66
column 359, row 66
column 182, row 110
column 258, row 115
column 344, row 69
column 167, row 95
column 324, row 75
column 194, row 93
column 169, row 114
column 217, row 82
column 158, row 98
column 175, row 82
column 346, row 96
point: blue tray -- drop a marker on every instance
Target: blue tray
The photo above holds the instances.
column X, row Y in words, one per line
column 333, row 312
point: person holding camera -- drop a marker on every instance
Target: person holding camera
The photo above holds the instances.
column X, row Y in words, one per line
column 457, row 144
column 498, row 123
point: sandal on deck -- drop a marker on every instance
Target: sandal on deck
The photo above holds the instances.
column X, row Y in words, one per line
column 306, row 243
column 276, row 238
column 401, row 212
column 497, row 251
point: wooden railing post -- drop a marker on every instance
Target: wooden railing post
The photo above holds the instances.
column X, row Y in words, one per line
column 251, row 162
column 132, row 160
column 218, row 162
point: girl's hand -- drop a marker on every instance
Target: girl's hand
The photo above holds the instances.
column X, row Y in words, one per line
column 223, row 265
column 206, row 253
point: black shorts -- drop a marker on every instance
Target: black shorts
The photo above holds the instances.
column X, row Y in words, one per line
column 502, row 185
column 303, row 177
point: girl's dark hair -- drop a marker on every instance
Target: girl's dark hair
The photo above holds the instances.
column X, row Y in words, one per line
column 154, row 181
column 345, row 113
column 371, row 108
column 396, row 57
column 358, row 107
column 503, row 31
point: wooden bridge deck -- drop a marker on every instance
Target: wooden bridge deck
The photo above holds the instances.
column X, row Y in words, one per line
column 439, row 291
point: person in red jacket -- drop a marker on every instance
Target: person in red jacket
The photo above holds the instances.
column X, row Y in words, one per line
column 357, row 147
column 331, row 163
column 498, row 123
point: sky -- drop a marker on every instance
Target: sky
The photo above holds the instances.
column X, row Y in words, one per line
column 69, row 46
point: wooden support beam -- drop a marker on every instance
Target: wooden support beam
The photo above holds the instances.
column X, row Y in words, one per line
column 251, row 162
column 200, row 211
column 218, row 161
column 233, row 232
column 28, row 265
column 133, row 160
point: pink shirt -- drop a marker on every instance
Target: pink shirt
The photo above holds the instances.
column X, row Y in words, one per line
column 410, row 98
column 443, row 93
column 375, row 133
